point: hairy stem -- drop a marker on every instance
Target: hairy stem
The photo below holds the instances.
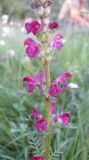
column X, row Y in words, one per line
column 48, row 117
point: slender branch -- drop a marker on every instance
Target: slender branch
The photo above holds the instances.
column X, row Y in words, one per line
column 48, row 117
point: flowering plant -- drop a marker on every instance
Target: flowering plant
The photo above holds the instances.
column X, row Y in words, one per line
column 42, row 49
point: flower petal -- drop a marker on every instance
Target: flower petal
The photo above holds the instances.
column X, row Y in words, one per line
column 41, row 125
column 35, row 113
column 64, row 117
column 53, row 25
column 38, row 157
column 31, row 83
column 63, row 79
column 33, row 27
column 55, row 90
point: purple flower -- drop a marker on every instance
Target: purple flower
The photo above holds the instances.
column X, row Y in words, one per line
column 37, row 157
column 33, row 48
column 36, row 81
column 35, row 113
column 31, row 83
column 53, row 25
column 55, row 42
column 63, row 79
column 41, row 125
column 64, row 117
column 33, row 27
column 55, row 90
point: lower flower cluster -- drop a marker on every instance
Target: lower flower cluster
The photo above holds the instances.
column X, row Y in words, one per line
column 56, row 88
column 41, row 124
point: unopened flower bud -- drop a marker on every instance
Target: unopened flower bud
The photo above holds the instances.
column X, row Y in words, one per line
column 40, row 11
column 47, row 11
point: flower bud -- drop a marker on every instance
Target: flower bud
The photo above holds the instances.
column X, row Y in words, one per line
column 40, row 11
column 47, row 11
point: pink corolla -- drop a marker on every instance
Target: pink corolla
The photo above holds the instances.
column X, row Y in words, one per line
column 53, row 25
column 33, row 27
column 35, row 81
column 41, row 125
column 56, row 43
column 63, row 79
column 33, row 48
column 35, row 113
column 55, row 90
column 64, row 118
column 37, row 157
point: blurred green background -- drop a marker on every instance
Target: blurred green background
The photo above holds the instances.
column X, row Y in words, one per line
column 17, row 134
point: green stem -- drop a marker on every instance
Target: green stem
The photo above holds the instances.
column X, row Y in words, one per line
column 48, row 117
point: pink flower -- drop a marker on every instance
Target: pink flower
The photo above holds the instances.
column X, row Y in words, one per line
column 37, row 157
column 31, row 83
column 35, row 113
column 55, row 90
column 64, row 118
column 33, row 27
column 36, row 81
column 41, row 125
column 63, row 79
column 33, row 48
column 53, row 25
column 55, row 42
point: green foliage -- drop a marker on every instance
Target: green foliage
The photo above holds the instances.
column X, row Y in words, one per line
column 16, row 9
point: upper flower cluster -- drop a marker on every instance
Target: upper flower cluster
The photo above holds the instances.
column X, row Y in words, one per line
column 34, row 48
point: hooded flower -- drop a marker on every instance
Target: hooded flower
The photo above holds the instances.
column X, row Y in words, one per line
column 33, row 27
column 37, row 157
column 56, row 43
column 41, row 125
column 35, row 81
column 64, row 117
column 63, row 79
column 35, row 113
column 53, row 25
column 31, row 83
column 55, row 90
column 33, row 48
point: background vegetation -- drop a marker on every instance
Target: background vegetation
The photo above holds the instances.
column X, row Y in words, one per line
column 17, row 135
